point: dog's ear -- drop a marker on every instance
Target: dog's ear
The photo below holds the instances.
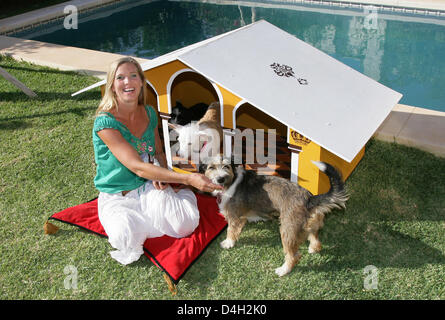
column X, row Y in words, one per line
column 202, row 167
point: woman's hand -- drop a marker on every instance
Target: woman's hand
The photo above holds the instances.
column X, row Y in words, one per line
column 160, row 185
column 201, row 182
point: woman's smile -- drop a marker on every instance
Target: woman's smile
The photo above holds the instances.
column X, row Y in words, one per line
column 127, row 83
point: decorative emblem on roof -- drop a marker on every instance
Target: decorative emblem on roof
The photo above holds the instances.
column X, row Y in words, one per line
column 286, row 71
column 282, row 70
column 299, row 138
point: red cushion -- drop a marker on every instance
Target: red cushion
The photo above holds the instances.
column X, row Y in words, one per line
column 172, row 255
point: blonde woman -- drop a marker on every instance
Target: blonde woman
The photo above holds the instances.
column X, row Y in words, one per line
column 135, row 200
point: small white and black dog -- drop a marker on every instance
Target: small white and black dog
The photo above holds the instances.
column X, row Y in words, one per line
column 248, row 196
column 203, row 137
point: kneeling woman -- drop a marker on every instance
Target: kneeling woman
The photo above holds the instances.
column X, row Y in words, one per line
column 135, row 201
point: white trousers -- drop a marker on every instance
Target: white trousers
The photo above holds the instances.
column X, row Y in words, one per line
column 145, row 213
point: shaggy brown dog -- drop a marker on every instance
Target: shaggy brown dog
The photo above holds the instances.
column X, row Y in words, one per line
column 248, row 196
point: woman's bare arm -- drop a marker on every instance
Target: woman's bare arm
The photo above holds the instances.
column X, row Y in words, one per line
column 160, row 155
column 129, row 157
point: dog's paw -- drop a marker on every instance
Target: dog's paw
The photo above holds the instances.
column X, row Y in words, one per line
column 227, row 244
column 283, row 270
column 314, row 249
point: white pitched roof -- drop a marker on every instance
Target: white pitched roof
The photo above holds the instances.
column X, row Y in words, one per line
column 297, row 84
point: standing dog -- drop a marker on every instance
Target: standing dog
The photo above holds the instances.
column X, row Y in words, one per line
column 204, row 137
column 247, row 196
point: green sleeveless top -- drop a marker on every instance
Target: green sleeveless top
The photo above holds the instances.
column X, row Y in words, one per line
column 111, row 175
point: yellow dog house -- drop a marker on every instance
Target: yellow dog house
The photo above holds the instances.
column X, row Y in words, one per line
column 266, row 78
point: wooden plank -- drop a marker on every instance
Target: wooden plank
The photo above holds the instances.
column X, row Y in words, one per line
column 17, row 83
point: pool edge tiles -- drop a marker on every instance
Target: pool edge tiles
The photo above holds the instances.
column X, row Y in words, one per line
column 85, row 61
column 415, row 127
column 431, row 7
column 37, row 17
column 408, row 4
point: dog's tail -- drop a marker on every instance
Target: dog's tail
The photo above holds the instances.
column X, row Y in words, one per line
column 336, row 197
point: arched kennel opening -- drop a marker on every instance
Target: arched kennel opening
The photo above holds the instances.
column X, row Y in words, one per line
column 190, row 88
column 277, row 155
column 151, row 97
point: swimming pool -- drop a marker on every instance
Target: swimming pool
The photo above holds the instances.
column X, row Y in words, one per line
column 403, row 52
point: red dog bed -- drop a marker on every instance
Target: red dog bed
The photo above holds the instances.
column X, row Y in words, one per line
column 173, row 256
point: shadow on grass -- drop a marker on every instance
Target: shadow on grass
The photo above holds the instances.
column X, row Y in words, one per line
column 396, row 206
column 206, row 268
column 20, row 122
column 41, row 71
column 372, row 244
column 19, row 96
column 404, row 184
column 14, row 125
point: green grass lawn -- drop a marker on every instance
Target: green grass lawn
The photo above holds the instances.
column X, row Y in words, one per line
column 394, row 220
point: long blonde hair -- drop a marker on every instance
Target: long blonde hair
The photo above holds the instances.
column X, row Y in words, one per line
column 108, row 101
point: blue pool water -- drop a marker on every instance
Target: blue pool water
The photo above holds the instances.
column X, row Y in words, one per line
column 403, row 52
